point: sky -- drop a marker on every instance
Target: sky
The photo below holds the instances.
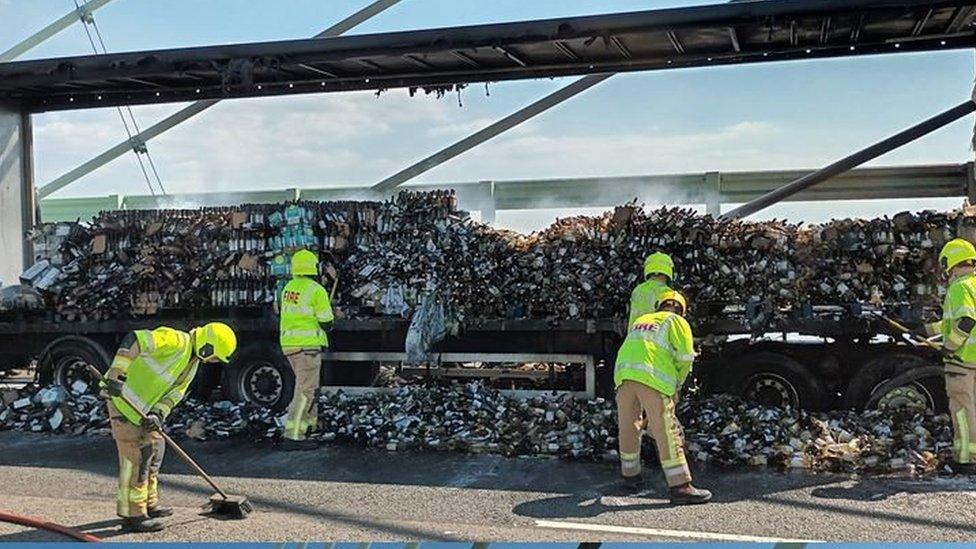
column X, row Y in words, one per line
column 772, row 116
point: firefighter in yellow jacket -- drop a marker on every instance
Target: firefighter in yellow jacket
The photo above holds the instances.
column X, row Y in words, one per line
column 306, row 315
column 958, row 260
column 153, row 369
column 651, row 365
column 658, row 273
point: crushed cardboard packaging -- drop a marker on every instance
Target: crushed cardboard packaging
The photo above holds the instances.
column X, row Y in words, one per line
column 383, row 258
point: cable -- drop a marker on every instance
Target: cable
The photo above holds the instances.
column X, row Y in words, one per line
column 152, row 165
column 145, row 173
column 24, row 520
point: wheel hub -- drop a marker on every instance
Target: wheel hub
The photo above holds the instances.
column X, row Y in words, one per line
column 771, row 389
column 72, row 369
column 913, row 396
column 265, row 384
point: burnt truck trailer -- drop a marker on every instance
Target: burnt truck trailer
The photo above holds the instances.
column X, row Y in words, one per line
column 829, row 357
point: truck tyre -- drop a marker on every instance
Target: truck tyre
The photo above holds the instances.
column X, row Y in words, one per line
column 259, row 374
column 928, row 392
column 774, row 379
column 64, row 361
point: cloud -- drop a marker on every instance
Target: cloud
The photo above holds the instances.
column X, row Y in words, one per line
column 741, row 146
column 459, row 129
column 357, row 139
column 247, row 144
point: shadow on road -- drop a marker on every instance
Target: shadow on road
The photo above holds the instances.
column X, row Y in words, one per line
column 393, row 530
column 587, row 505
column 103, row 529
column 342, row 463
column 567, row 489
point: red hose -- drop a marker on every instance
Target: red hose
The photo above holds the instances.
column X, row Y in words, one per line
column 42, row 524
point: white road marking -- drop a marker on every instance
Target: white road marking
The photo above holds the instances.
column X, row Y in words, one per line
column 684, row 534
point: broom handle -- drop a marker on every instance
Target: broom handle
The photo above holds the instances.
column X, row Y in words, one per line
column 186, row 457
column 170, row 442
column 902, row 328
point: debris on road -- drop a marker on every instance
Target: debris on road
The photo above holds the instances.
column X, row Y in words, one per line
column 53, row 410
column 474, row 418
column 727, row 430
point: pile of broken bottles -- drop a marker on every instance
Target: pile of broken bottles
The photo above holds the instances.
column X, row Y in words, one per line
column 383, row 258
column 474, row 418
column 53, row 409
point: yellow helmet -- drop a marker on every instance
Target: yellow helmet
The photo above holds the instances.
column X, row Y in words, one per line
column 672, row 295
column 659, row 263
column 956, row 251
column 214, row 341
column 304, row 262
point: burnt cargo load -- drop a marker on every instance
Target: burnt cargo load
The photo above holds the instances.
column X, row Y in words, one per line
column 416, row 270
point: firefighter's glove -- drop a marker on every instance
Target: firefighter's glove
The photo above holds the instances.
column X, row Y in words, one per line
column 152, row 422
column 110, row 387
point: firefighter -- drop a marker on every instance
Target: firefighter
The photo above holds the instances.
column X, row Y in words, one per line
column 306, row 315
column 651, row 365
column 153, row 369
column 958, row 260
column 658, row 273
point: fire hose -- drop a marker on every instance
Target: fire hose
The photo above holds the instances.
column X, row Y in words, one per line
column 41, row 524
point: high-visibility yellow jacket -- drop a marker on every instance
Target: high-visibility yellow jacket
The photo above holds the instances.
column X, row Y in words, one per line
column 658, row 352
column 157, row 378
column 304, row 304
column 959, row 303
column 643, row 299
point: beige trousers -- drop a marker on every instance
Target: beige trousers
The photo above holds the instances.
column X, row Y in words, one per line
column 303, row 411
column 634, row 398
column 140, row 457
column 961, row 390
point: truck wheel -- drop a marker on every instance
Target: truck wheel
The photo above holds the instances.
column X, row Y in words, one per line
column 259, row 374
column 64, row 360
column 927, row 393
column 774, row 379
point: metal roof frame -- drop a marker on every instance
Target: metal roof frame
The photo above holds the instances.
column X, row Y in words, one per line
column 722, row 34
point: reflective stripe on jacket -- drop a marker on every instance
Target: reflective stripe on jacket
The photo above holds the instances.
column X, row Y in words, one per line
column 643, row 299
column 658, row 352
column 159, row 377
column 304, row 304
column 959, row 302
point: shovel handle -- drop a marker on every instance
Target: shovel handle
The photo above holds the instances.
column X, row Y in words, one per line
column 92, row 371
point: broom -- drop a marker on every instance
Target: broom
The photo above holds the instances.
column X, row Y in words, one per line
column 221, row 504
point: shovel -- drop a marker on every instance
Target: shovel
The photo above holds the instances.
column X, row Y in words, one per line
column 221, row 504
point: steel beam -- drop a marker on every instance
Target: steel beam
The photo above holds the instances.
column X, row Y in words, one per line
column 930, row 181
column 854, row 160
column 62, row 23
column 17, row 203
column 195, row 108
column 493, row 130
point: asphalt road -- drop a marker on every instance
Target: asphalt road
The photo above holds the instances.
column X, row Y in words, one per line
column 343, row 493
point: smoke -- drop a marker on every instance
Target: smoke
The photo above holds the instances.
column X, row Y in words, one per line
column 553, row 199
column 186, row 201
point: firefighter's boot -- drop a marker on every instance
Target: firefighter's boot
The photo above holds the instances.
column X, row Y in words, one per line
column 686, row 494
column 160, row 512
column 143, row 524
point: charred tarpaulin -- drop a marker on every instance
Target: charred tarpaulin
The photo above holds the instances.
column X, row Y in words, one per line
column 475, row 418
column 382, row 258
